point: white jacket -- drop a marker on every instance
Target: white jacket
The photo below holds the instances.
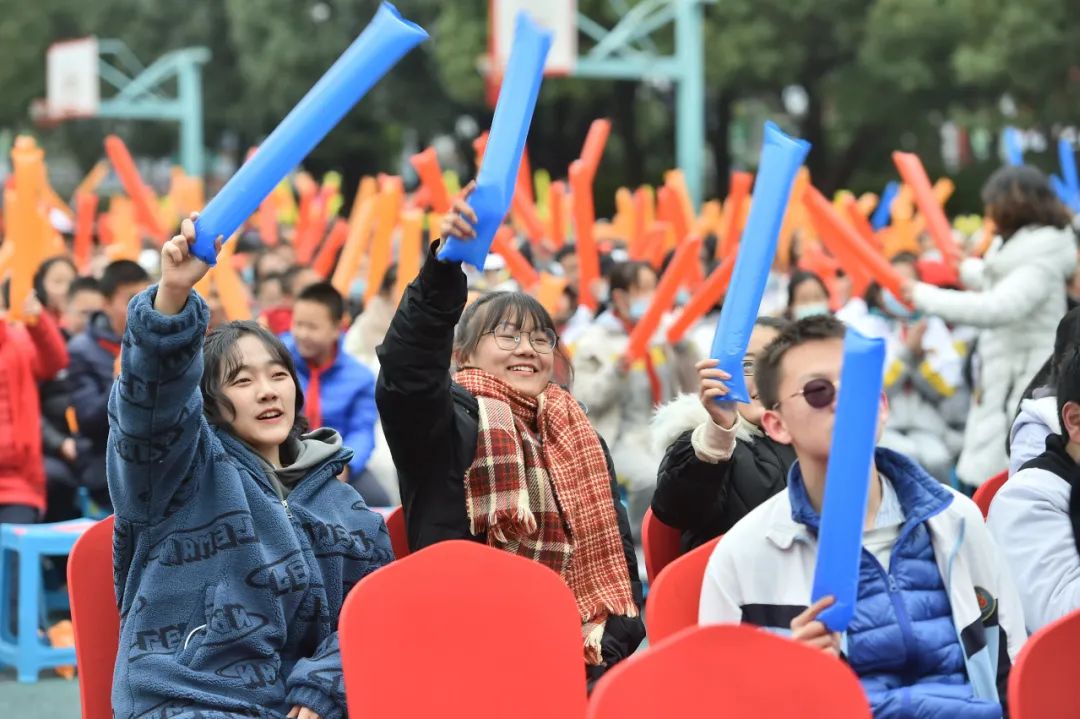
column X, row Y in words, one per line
column 1027, row 440
column 1017, row 297
column 1029, row 518
column 768, row 559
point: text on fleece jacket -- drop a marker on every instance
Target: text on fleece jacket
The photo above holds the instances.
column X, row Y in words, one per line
column 779, row 539
column 229, row 598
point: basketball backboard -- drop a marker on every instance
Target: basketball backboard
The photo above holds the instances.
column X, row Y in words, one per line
column 72, row 79
column 559, row 16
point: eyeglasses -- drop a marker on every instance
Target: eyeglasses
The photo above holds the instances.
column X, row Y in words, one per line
column 508, row 337
column 819, row 393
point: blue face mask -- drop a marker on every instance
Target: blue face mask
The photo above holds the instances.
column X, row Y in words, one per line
column 682, row 297
column 639, row 307
column 801, row 312
column 896, row 308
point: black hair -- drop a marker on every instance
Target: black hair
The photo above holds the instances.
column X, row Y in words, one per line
column 1016, row 197
column 624, row 275
column 874, row 292
column 83, row 284
column 796, row 334
column 564, row 252
column 1066, row 340
column 776, row 323
column 516, row 308
column 324, row 294
column 120, row 273
column 279, row 277
column 1068, row 385
column 43, row 271
column 389, row 280
column 799, row 278
column 222, row 362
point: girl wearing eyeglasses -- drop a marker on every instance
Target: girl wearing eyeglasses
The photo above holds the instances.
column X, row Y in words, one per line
column 499, row 453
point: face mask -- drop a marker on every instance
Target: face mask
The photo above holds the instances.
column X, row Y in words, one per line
column 801, row 312
column 682, row 297
column 639, row 307
column 895, row 307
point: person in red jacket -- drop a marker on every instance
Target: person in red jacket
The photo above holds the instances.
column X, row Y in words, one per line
column 29, row 353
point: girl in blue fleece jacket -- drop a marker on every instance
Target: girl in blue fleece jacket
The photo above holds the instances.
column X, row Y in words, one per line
column 235, row 544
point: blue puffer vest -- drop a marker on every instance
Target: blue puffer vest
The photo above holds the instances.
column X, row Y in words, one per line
column 902, row 641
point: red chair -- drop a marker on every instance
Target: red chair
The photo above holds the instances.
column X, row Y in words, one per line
column 460, row 630
column 94, row 617
column 984, row 495
column 1042, row 684
column 674, row 596
column 730, row 671
column 661, row 543
column 399, row 539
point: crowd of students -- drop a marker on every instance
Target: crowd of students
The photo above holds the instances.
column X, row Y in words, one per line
column 240, row 458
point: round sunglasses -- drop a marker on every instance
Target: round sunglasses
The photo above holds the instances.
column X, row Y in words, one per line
column 819, row 393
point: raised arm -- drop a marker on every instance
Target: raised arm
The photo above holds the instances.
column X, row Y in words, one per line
column 155, row 409
column 413, row 389
column 50, row 355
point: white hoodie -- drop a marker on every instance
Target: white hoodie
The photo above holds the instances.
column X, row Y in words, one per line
column 1037, row 419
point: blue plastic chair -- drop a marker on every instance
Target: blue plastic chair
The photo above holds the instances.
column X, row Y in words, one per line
column 28, row 650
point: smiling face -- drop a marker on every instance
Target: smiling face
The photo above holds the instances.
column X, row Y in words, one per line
column 263, row 397
column 510, row 336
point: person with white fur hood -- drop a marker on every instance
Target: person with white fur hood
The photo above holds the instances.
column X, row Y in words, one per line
column 718, row 463
column 1016, row 297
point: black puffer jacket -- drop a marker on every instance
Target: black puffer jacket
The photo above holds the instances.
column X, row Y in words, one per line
column 706, row 500
column 431, row 423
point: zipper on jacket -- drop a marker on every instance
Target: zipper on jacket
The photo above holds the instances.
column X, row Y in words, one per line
column 285, row 504
column 903, row 619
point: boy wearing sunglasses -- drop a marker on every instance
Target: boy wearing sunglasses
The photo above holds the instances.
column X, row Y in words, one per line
column 937, row 622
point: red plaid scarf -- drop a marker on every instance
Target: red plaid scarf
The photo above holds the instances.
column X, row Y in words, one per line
column 536, row 456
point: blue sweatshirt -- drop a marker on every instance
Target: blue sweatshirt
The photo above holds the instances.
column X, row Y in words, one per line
column 229, row 596
column 346, row 401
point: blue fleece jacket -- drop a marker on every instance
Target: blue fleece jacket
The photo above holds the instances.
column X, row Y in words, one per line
column 346, row 401
column 229, row 596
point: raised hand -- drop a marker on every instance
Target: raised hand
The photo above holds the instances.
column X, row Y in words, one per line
column 181, row 270
column 712, row 391
column 461, row 220
column 806, row 628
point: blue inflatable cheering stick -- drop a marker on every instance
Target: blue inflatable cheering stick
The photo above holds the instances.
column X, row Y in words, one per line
column 1070, row 183
column 506, row 141
column 847, row 480
column 384, row 41
column 781, row 157
column 883, row 212
column 1014, row 146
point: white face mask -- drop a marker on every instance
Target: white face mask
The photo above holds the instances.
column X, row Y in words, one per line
column 801, row 312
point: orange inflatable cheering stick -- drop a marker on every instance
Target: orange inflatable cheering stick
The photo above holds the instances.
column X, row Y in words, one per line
column 140, row 194
column 741, row 182
column 584, row 219
column 520, row 268
column 426, row 164
column 677, row 273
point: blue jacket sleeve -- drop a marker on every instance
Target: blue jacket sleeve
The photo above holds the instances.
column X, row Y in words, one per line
column 318, row 682
column 155, row 408
column 89, row 392
column 360, row 437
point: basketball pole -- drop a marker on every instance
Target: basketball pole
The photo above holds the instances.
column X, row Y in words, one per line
column 626, row 52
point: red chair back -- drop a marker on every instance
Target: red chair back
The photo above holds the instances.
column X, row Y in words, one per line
column 661, row 543
column 94, row 617
column 489, row 633
column 399, row 539
column 984, row 495
column 1042, row 684
column 676, row 593
column 729, row 671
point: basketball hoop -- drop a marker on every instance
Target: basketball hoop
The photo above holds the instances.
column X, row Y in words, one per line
column 72, row 85
column 559, row 16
